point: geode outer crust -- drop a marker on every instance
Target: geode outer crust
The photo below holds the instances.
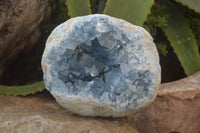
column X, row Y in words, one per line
column 98, row 65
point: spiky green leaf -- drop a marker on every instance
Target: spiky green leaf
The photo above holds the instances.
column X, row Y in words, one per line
column 193, row 4
column 78, row 7
column 181, row 39
column 134, row 11
column 22, row 90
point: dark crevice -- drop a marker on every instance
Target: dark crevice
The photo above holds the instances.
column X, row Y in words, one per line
column 88, row 78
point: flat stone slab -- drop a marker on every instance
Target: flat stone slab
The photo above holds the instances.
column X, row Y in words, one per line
column 98, row 65
column 40, row 113
column 175, row 109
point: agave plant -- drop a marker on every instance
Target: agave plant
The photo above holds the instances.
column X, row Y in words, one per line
column 136, row 12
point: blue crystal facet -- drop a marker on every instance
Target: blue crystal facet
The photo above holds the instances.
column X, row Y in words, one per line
column 98, row 65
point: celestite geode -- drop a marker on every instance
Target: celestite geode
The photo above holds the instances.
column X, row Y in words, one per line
column 98, row 65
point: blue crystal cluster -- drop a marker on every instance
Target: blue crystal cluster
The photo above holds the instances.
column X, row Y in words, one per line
column 98, row 65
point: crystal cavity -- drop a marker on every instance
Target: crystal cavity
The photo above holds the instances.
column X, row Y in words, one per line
column 98, row 65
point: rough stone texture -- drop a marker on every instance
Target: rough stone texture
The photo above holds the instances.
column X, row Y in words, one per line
column 175, row 110
column 41, row 114
column 19, row 26
column 98, row 65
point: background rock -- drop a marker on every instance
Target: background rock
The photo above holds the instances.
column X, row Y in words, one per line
column 19, row 26
column 41, row 114
column 175, row 110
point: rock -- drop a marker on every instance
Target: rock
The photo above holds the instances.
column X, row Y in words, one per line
column 19, row 26
column 41, row 114
column 98, row 65
column 175, row 110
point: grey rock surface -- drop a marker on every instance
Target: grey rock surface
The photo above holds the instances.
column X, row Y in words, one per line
column 176, row 109
column 97, row 65
column 40, row 113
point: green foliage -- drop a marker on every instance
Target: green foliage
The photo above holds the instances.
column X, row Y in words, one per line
column 157, row 18
column 94, row 5
column 78, row 7
column 22, row 90
column 59, row 15
column 192, row 18
column 164, row 15
column 134, row 11
column 97, row 6
column 181, row 39
column 193, row 4
column 162, row 49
